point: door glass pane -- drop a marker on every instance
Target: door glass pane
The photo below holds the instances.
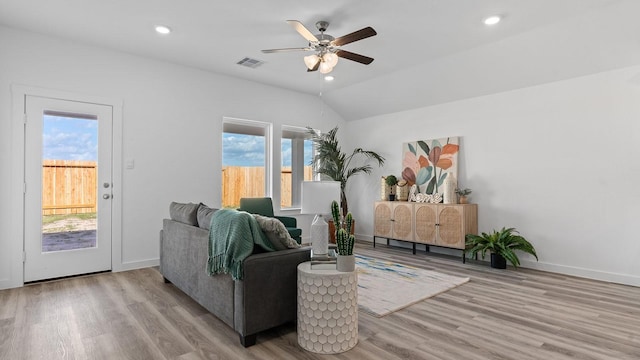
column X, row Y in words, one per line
column 69, row 181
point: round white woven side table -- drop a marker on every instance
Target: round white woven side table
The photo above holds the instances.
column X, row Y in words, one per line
column 327, row 309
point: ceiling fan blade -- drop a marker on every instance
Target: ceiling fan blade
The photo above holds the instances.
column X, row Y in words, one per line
column 354, row 36
column 354, row 57
column 269, row 51
column 315, row 67
column 302, row 30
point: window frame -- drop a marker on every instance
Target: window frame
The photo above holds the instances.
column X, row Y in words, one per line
column 297, row 162
column 257, row 128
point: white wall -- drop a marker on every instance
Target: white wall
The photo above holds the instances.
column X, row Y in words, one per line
column 171, row 128
column 559, row 161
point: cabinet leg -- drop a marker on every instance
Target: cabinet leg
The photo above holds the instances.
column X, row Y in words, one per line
column 374, row 241
column 414, row 248
column 426, row 248
column 464, row 258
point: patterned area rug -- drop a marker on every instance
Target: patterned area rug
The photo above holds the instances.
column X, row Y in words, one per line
column 385, row 287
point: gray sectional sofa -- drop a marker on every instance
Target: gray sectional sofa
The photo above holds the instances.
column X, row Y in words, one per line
column 265, row 297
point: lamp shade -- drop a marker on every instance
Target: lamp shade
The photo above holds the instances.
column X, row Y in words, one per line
column 330, row 58
column 325, row 68
column 311, row 61
column 318, row 195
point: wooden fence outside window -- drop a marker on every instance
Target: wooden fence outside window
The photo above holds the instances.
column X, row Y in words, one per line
column 248, row 181
column 68, row 187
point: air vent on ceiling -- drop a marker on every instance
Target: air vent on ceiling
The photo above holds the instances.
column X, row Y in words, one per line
column 249, row 62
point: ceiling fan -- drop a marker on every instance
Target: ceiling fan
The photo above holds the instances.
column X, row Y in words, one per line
column 327, row 48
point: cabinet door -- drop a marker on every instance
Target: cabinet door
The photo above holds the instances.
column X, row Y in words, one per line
column 425, row 223
column 382, row 219
column 402, row 219
column 451, row 229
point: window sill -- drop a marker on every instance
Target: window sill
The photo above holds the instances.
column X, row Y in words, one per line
column 290, row 210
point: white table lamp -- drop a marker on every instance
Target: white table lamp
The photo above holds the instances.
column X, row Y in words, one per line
column 316, row 199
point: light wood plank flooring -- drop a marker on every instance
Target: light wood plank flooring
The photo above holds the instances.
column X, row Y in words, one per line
column 523, row 314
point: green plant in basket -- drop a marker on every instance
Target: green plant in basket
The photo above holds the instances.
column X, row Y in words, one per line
column 391, row 180
column 503, row 243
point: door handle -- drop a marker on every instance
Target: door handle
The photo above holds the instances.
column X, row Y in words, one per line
column 106, row 196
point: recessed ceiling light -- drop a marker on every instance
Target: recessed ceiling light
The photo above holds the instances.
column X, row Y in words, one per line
column 492, row 20
column 162, row 29
column 328, row 78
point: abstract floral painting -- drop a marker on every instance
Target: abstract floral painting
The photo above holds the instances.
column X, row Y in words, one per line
column 427, row 163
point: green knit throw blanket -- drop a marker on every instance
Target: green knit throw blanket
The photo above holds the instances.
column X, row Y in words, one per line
column 232, row 235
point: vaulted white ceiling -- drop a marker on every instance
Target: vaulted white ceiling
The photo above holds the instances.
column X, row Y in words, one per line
column 426, row 51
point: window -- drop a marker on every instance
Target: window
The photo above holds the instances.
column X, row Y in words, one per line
column 297, row 152
column 246, row 169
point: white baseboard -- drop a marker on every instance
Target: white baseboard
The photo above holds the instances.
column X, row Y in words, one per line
column 623, row 279
column 364, row 237
column 9, row 284
column 133, row 265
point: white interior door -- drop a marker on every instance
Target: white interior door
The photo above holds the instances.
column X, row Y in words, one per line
column 68, row 182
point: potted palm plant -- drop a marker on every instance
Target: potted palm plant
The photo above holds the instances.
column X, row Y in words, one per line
column 501, row 245
column 335, row 164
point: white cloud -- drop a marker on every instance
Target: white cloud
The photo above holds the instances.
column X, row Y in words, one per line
column 242, row 150
column 69, row 139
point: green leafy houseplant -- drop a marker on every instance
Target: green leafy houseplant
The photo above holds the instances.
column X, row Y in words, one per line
column 391, row 180
column 462, row 193
column 503, row 243
column 335, row 164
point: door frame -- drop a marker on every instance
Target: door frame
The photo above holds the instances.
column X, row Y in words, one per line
column 19, row 93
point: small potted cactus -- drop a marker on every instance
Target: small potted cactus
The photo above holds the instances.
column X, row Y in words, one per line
column 345, row 261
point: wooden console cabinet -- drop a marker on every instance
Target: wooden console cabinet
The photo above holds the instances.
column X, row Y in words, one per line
column 443, row 225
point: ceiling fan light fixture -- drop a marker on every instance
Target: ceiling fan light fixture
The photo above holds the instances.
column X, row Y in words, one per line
column 330, row 58
column 326, row 48
column 311, row 61
column 325, row 68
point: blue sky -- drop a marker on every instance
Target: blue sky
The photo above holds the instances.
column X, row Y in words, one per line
column 248, row 150
column 77, row 139
column 69, row 138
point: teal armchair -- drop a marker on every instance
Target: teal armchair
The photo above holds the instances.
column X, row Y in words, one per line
column 264, row 207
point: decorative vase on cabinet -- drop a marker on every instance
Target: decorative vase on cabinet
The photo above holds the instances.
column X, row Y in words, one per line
column 450, row 184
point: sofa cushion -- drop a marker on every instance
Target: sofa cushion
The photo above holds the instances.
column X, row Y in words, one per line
column 295, row 233
column 184, row 213
column 204, row 216
column 276, row 232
